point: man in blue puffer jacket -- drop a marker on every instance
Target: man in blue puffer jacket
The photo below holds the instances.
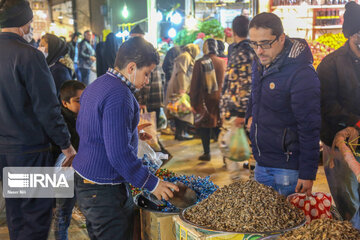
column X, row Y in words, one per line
column 284, row 107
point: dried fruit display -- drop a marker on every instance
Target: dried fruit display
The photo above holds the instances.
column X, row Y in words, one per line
column 245, row 206
column 323, row 229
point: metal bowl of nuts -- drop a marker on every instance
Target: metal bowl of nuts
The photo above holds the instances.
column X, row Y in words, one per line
column 205, row 229
column 244, row 207
column 321, row 229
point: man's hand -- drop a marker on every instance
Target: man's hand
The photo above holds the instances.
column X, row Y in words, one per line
column 144, row 136
column 239, row 122
column 69, row 154
column 92, row 58
column 142, row 107
column 165, row 190
column 304, row 186
column 144, row 125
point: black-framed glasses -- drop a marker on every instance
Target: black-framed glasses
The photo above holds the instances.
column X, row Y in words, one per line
column 266, row 45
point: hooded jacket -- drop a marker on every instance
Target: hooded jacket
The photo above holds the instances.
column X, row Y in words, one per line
column 60, row 65
column 285, row 106
column 30, row 112
column 106, row 54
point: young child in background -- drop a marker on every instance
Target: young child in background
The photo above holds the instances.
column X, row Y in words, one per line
column 70, row 93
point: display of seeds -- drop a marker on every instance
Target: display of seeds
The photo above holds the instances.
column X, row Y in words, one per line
column 247, row 207
column 323, row 229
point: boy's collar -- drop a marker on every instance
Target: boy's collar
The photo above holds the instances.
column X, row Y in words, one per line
column 117, row 74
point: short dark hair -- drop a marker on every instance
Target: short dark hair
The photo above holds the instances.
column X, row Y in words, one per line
column 138, row 50
column 68, row 89
column 268, row 21
column 75, row 34
column 87, row 31
column 221, row 46
column 240, row 26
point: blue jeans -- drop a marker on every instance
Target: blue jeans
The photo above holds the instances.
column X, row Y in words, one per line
column 62, row 217
column 344, row 187
column 108, row 209
column 282, row 180
column 77, row 72
column 85, row 75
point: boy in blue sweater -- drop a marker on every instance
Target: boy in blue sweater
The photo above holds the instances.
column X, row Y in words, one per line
column 107, row 158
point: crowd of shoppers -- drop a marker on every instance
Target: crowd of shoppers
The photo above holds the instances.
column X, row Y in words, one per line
column 266, row 84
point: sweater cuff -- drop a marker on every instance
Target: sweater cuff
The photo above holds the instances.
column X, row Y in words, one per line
column 308, row 175
column 151, row 182
column 156, row 186
column 66, row 145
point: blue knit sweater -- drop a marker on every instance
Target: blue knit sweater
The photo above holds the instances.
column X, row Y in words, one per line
column 107, row 126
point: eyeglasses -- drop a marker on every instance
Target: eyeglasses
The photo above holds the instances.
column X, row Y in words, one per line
column 266, row 45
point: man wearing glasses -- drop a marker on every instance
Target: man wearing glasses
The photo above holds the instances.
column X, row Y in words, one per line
column 339, row 73
column 284, row 107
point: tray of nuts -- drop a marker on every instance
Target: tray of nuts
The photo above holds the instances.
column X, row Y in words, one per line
column 245, row 207
column 323, row 229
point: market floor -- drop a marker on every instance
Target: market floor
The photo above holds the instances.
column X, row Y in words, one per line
column 184, row 161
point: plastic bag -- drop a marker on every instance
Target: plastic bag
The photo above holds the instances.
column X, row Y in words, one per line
column 162, row 121
column 316, row 206
column 58, row 166
column 150, row 159
column 224, row 141
column 239, row 149
column 180, row 105
column 150, row 117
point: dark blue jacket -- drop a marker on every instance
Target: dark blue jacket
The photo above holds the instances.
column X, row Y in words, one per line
column 60, row 74
column 285, row 106
column 30, row 112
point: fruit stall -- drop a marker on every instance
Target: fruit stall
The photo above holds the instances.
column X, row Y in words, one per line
column 318, row 21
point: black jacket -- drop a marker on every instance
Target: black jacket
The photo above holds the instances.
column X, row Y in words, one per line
column 339, row 73
column 60, row 73
column 70, row 119
column 169, row 60
column 71, row 46
column 30, row 112
column 106, row 54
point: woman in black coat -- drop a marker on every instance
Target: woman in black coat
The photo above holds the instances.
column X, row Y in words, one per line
column 60, row 64
column 106, row 53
